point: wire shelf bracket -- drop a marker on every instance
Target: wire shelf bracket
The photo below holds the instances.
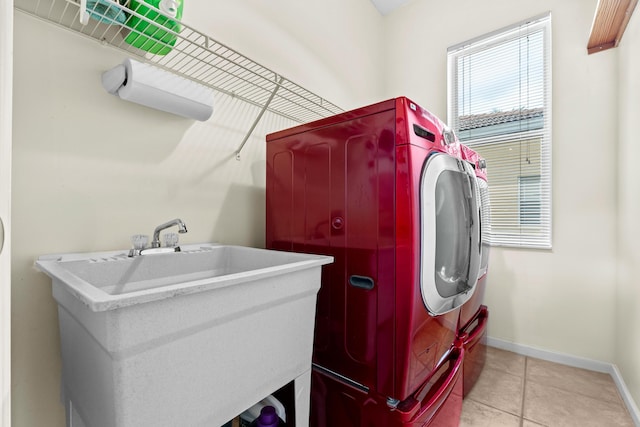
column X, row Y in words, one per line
column 257, row 120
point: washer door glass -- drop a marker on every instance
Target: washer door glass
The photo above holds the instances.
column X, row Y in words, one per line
column 450, row 233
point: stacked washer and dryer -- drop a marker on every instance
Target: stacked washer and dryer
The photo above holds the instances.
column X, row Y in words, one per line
column 401, row 205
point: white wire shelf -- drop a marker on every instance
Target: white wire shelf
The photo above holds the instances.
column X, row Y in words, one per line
column 193, row 55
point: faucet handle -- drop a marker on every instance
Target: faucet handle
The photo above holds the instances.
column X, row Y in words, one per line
column 170, row 239
column 139, row 241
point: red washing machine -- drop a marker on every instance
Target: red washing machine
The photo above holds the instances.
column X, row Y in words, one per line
column 386, row 191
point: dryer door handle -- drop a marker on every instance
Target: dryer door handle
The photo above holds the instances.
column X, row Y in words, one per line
column 362, row 282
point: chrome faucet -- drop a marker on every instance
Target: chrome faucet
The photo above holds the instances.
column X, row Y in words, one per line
column 155, row 243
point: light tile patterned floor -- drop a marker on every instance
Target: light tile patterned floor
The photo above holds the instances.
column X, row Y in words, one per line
column 519, row 391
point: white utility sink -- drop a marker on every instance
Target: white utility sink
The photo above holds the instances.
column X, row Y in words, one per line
column 187, row 338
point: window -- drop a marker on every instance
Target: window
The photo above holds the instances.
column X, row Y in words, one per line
column 499, row 102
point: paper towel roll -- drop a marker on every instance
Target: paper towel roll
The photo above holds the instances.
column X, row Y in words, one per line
column 153, row 87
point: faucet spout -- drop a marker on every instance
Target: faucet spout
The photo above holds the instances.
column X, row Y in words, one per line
column 182, row 228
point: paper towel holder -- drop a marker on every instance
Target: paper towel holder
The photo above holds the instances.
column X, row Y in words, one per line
column 153, row 87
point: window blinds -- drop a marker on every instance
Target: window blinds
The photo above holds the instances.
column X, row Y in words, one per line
column 499, row 101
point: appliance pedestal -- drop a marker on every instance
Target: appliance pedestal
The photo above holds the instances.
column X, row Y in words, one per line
column 436, row 403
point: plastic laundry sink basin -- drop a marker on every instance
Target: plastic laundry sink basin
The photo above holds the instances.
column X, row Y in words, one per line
column 109, row 280
column 184, row 338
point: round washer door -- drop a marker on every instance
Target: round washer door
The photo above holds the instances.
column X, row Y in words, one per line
column 450, row 233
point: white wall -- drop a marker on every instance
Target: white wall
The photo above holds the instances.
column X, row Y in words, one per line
column 561, row 300
column 332, row 48
column 89, row 170
column 6, row 97
column 628, row 292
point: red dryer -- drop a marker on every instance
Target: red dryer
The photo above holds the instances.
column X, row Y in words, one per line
column 474, row 316
column 385, row 190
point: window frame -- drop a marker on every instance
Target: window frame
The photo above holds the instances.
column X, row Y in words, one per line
column 529, row 235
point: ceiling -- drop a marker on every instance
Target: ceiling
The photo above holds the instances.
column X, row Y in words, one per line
column 609, row 23
column 388, row 6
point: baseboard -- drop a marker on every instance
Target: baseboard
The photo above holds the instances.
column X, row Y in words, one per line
column 626, row 396
column 551, row 356
column 577, row 362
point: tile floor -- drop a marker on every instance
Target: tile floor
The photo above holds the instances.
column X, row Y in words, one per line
column 519, row 391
